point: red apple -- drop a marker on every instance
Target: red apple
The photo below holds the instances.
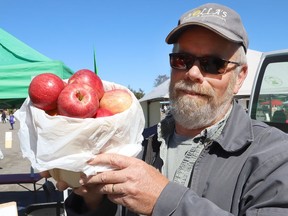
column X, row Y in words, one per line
column 88, row 77
column 116, row 100
column 44, row 90
column 53, row 112
column 78, row 100
column 101, row 112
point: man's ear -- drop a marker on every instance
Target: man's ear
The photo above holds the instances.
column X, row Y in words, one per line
column 240, row 78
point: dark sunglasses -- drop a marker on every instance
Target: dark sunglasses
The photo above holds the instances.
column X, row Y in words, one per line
column 208, row 64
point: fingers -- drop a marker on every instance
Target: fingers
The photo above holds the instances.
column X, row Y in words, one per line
column 120, row 164
column 116, row 189
column 61, row 185
column 113, row 188
column 81, row 191
column 114, row 160
column 110, row 189
column 103, row 183
column 90, row 194
column 45, row 174
column 107, row 177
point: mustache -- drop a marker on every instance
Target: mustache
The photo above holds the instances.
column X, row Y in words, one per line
column 194, row 88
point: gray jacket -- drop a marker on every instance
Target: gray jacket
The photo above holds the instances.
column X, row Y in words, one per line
column 244, row 172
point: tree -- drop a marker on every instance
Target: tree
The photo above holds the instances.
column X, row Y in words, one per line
column 138, row 94
column 160, row 79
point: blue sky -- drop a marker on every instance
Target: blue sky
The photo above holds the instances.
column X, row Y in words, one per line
column 128, row 35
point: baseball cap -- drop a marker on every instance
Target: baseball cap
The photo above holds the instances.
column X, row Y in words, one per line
column 218, row 18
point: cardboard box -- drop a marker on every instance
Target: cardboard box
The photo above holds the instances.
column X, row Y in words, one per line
column 9, row 208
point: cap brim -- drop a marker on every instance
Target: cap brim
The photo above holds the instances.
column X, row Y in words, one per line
column 175, row 33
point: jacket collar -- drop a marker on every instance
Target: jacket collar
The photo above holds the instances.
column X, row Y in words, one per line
column 236, row 134
column 238, row 131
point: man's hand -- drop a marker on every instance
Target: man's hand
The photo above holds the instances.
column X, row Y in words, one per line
column 61, row 185
column 133, row 183
column 91, row 195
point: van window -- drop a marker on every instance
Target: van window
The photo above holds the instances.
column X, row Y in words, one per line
column 270, row 101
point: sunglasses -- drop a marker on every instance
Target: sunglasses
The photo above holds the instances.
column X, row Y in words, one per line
column 208, row 64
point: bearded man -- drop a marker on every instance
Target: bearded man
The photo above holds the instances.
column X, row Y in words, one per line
column 207, row 156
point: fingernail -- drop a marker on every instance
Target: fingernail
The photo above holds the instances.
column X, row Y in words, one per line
column 81, row 182
column 89, row 162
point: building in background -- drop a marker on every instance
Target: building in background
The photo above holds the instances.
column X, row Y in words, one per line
column 153, row 102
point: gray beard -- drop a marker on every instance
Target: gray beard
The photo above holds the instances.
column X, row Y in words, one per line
column 198, row 113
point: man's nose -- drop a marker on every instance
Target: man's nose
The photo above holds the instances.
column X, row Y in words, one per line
column 194, row 73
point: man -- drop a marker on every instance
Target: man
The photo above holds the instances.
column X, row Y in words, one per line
column 207, row 157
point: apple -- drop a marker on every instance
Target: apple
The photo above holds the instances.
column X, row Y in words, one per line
column 78, row 100
column 44, row 90
column 53, row 112
column 102, row 112
column 88, row 77
column 116, row 100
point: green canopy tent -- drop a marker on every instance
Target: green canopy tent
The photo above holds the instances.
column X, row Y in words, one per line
column 19, row 63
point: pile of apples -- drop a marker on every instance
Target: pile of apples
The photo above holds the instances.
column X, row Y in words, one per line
column 82, row 96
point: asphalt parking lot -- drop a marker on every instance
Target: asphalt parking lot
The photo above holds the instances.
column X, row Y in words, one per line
column 14, row 163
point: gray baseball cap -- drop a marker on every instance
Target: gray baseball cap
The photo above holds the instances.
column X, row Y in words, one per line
column 218, row 18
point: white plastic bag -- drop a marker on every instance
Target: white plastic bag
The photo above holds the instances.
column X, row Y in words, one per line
column 67, row 143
